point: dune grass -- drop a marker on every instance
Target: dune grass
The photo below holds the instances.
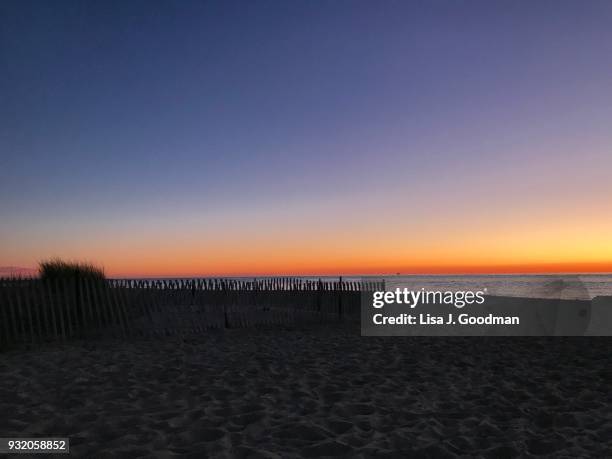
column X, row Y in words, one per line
column 56, row 268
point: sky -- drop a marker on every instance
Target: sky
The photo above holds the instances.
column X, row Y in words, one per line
column 163, row 138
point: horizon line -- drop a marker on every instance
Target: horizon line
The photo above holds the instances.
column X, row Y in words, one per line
column 500, row 270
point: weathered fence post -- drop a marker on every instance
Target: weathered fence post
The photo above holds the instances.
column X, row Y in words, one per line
column 4, row 313
column 39, row 304
column 19, row 312
column 227, row 324
column 340, row 294
column 58, row 302
column 28, row 306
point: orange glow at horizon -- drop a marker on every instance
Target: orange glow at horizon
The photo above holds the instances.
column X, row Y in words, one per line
column 244, row 261
column 502, row 245
column 336, row 270
column 459, row 253
column 451, row 233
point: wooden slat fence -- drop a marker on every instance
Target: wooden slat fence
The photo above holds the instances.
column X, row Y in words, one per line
column 33, row 311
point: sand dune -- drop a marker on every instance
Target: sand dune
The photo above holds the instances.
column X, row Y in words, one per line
column 315, row 392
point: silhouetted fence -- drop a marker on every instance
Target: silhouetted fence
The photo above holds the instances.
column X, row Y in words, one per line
column 36, row 311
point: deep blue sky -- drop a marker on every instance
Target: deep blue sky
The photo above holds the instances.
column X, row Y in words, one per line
column 129, row 120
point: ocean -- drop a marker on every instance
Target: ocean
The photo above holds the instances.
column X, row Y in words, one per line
column 562, row 286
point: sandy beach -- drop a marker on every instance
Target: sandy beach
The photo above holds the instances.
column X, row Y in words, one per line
column 320, row 391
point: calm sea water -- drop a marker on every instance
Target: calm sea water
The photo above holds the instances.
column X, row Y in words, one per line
column 567, row 286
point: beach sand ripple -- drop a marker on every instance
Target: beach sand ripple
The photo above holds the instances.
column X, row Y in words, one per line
column 312, row 392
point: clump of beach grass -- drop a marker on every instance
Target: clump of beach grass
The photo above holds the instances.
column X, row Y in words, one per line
column 56, row 268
